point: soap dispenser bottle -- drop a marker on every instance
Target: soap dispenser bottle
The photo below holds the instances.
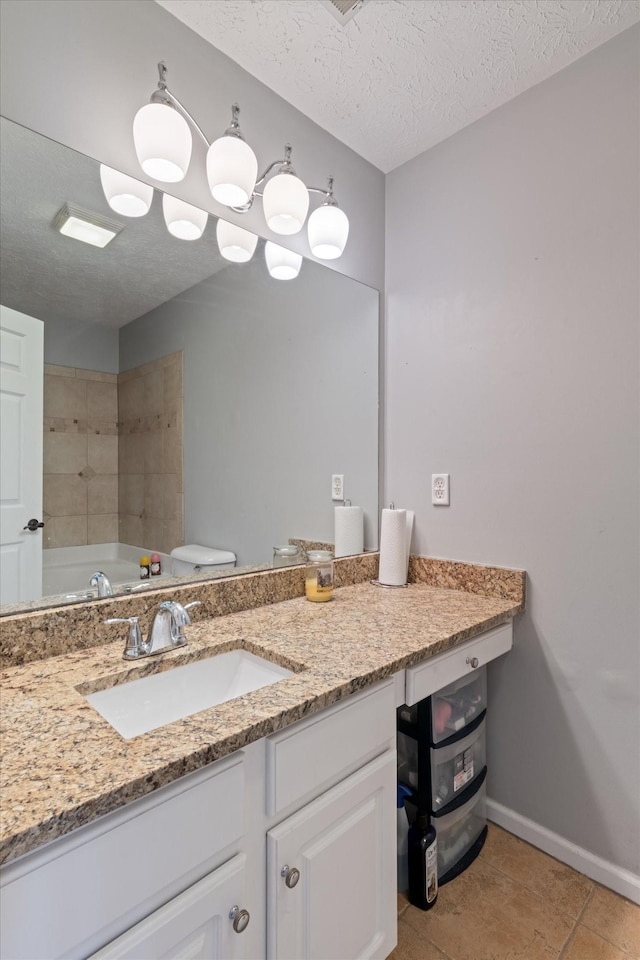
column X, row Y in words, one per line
column 423, row 863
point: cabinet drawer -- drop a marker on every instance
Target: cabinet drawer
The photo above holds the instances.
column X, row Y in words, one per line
column 458, row 831
column 122, row 867
column 313, row 754
column 434, row 674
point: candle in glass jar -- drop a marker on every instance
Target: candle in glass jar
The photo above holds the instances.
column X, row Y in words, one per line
column 318, row 582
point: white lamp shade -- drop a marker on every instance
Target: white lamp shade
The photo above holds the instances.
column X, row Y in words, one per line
column 235, row 243
column 162, row 140
column 285, row 202
column 328, row 229
column 232, row 170
column 183, row 220
column 282, row 264
column 126, row 195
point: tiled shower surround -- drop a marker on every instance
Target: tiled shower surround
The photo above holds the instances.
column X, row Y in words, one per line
column 150, row 491
column 113, row 456
column 80, row 457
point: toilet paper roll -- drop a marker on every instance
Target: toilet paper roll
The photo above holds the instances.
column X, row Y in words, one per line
column 393, row 548
column 349, row 531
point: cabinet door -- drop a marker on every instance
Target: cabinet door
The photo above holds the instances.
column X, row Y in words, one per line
column 343, row 906
column 195, row 925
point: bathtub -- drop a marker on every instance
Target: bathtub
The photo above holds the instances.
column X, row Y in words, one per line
column 68, row 569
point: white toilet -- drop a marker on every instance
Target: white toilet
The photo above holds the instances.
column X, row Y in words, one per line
column 194, row 558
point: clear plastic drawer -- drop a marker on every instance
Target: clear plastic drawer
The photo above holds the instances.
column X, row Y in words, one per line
column 457, row 705
column 455, row 766
column 458, row 831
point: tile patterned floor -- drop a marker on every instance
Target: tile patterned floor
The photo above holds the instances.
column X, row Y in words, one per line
column 516, row 903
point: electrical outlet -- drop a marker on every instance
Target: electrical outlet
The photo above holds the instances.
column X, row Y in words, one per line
column 337, row 486
column 440, row 489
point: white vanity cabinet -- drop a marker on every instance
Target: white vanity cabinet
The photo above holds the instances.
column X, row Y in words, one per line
column 72, row 896
column 331, row 888
column 198, row 924
column 331, row 865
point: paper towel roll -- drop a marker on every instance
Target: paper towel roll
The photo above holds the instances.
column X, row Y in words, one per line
column 349, row 531
column 393, row 548
column 410, row 516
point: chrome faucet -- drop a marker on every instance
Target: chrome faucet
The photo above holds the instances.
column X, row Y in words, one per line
column 166, row 633
column 102, row 582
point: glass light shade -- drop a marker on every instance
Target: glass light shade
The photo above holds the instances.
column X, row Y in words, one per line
column 232, row 170
column 126, row 195
column 285, row 202
column 183, row 220
column 328, row 229
column 162, row 140
column 282, row 264
column 235, row 243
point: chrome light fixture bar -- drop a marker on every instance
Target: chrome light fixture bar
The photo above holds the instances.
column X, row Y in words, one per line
column 163, row 142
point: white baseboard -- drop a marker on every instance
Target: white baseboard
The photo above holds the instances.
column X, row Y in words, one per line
column 622, row 881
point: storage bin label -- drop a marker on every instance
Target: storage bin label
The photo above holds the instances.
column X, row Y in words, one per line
column 462, row 769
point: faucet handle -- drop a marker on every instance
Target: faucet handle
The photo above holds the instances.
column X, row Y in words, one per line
column 187, row 606
column 134, row 647
column 179, row 611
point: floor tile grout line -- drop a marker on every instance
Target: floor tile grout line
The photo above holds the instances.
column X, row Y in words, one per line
column 563, row 952
column 598, row 932
column 531, row 892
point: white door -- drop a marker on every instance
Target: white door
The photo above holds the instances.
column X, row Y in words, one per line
column 195, row 925
column 21, row 386
column 331, row 872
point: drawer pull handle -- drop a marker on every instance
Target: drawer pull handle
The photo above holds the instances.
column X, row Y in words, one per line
column 291, row 875
column 240, row 919
column 473, row 662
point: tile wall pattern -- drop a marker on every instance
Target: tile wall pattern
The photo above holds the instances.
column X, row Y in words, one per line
column 150, row 451
column 80, row 457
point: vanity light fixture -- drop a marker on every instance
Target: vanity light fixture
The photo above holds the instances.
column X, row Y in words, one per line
column 183, row 220
column 235, row 243
column 92, row 228
column 126, row 195
column 163, row 142
column 282, row 264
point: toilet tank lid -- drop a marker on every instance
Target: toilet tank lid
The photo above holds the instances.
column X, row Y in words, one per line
column 202, row 556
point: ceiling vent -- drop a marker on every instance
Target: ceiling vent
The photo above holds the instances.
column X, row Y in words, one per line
column 343, row 10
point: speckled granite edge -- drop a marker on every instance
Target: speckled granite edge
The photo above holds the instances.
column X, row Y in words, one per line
column 311, row 544
column 27, row 637
column 501, row 582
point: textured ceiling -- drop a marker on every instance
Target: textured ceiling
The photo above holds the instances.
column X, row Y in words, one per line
column 403, row 75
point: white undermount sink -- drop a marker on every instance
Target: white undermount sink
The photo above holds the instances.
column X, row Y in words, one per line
column 151, row 702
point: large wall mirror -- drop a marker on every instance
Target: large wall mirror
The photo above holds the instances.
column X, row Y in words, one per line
column 186, row 399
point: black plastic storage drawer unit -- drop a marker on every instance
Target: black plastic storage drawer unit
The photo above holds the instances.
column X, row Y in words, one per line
column 442, row 758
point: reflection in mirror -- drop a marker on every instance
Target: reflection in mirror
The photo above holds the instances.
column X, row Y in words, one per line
column 187, row 400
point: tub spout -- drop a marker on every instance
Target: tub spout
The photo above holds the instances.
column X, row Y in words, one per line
column 101, row 581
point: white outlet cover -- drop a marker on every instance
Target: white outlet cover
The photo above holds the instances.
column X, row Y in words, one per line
column 440, row 489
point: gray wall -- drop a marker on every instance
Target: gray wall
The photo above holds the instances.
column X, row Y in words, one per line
column 512, row 364
column 90, row 346
column 78, row 72
column 281, row 391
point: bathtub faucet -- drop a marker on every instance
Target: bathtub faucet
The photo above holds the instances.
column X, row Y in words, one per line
column 101, row 581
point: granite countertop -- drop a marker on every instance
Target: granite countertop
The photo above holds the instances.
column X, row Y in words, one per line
column 63, row 765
